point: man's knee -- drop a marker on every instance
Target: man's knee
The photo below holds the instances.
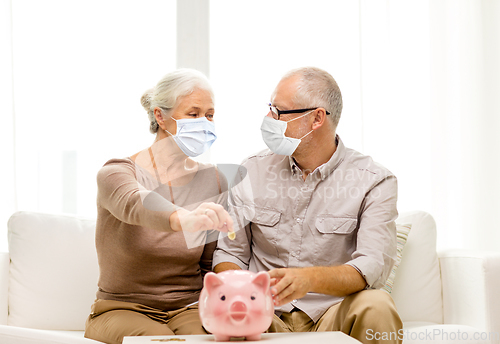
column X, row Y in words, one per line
column 370, row 312
column 370, row 300
column 372, row 306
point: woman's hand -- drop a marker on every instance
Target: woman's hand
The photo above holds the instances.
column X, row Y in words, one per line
column 206, row 217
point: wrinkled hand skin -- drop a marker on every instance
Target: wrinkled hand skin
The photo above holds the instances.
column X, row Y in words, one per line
column 289, row 284
column 205, row 217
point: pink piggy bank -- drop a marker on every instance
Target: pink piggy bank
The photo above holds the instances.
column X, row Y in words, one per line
column 236, row 303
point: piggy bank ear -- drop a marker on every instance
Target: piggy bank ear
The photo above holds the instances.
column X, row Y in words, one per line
column 211, row 281
column 262, row 280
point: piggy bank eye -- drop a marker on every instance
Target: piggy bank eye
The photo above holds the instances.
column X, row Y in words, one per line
column 252, row 297
column 223, row 297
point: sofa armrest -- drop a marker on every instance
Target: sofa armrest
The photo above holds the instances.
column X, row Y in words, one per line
column 471, row 284
column 4, row 287
column 22, row 335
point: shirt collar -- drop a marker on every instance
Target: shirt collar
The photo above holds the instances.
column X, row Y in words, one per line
column 328, row 167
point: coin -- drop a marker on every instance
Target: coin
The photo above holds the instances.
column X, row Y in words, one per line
column 169, row 340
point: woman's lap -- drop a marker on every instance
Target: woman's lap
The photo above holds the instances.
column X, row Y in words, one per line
column 110, row 321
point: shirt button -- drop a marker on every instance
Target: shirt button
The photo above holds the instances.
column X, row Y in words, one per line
column 294, row 301
column 298, row 220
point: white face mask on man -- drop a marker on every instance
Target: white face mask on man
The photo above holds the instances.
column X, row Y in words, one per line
column 273, row 134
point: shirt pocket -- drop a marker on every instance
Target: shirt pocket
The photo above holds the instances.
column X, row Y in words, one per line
column 265, row 227
column 335, row 225
column 335, row 239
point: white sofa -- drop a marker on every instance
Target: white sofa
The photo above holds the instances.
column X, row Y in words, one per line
column 48, row 282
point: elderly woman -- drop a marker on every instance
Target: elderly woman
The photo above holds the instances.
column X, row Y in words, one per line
column 159, row 214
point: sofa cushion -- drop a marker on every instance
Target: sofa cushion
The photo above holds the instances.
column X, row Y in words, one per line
column 53, row 270
column 417, row 285
column 402, row 237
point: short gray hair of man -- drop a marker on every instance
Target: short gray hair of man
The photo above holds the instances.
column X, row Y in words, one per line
column 317, row 87
column 170, row 88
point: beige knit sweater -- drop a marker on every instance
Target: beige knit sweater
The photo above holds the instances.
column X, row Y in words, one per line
column 140, row 258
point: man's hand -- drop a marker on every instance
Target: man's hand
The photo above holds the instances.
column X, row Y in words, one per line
column 288, row 284
column 206, row 217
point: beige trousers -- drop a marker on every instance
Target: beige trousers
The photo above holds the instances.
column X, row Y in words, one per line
column 110, row 321
column 369, row 316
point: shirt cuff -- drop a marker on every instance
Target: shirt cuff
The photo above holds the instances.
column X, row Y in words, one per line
column 369, row 269
column 221, row 256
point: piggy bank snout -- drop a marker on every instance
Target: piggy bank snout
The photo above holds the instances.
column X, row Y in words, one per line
column 238, row 311
column 238, row 307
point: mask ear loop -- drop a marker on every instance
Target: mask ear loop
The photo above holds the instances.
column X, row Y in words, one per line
column 307, row 113
column 306, row 134
column 175, row 126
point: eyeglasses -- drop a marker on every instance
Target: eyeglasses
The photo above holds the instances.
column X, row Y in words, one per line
column 277, row 113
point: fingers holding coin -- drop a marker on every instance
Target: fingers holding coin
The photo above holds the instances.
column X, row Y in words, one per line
column 225, row 221
column 212, row 215
column 219, row 217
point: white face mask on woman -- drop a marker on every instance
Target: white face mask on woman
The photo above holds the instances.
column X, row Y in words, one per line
column 194, row 136
column 273, row 134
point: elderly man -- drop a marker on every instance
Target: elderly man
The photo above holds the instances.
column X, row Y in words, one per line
column 318, row 216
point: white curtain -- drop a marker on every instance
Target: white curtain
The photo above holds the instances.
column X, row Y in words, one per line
column 79, row 70
column 465, row 121
column 7, row 172
column 419, row 80
column 431, row 79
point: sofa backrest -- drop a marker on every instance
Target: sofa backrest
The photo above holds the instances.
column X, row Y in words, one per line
column 417, row 284
column 53, row 270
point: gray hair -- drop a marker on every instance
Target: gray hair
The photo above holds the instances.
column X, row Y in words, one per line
column 317, row 87
column 170, row 88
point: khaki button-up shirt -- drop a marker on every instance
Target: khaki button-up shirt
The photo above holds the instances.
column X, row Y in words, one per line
column 343, row 213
